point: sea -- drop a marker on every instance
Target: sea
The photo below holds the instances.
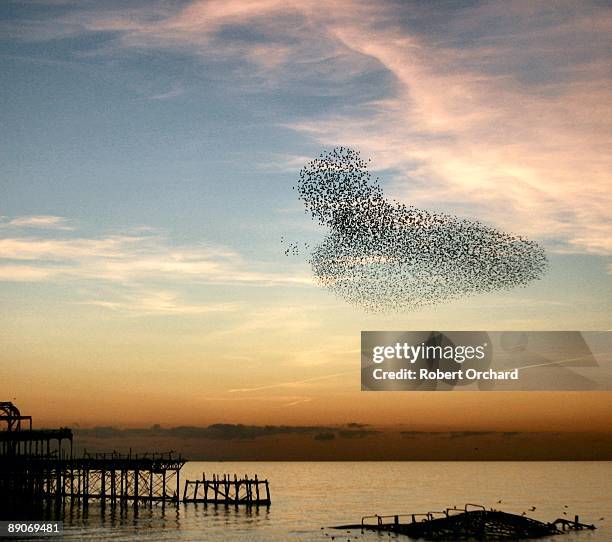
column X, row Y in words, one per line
column 309, row 498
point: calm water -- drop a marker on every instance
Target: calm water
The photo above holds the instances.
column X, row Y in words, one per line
column 307, row 498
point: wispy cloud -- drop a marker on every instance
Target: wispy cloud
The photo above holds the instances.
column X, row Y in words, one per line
column 129, row 258
column 135, row 274
column 23, row 273
column 468, row 130
column 38, row 221
column 299, row 402
column 290, row 384
column 159, row 302
column 174, row 92
column 498, row 110
column 217, row 431
column 226, row 431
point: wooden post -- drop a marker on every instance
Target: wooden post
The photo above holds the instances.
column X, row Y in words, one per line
column 151, row 487
column 71, row 482
column 79, row 483
column 103, row 487
column 227, row 490
column 59, row 490
column 113, row 488
column 86, row 487
column 135, row 486
column 163, row 488
column 122, row 486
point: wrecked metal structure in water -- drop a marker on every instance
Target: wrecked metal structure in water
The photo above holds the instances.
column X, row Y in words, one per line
column 472, row 522
column 37, row 468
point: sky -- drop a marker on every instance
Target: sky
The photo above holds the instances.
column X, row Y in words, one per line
column 149, row 150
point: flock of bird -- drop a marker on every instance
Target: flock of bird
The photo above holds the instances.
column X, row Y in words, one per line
column 293, row 249
column 383, row 255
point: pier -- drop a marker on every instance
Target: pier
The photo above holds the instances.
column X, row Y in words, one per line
column 38, row 469
column 38, row 466
column 228, row 490
column 121, row 478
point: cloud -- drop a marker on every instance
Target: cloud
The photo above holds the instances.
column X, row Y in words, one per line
column 224, row 431
column 39, row 221
column 293, row 383
column 467, row 129
column 136, row 274
column 127, row 258
column 159, row 302
column 498, row 110
column 357, row 433
column 174, row 92
column 501, row 112
column 23, row 273
column 299, row 401
column 218, row 431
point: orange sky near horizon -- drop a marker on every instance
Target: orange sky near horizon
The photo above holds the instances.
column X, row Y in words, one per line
column 419, row 411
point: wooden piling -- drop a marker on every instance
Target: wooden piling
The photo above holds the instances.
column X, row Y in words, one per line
column 227, row 490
